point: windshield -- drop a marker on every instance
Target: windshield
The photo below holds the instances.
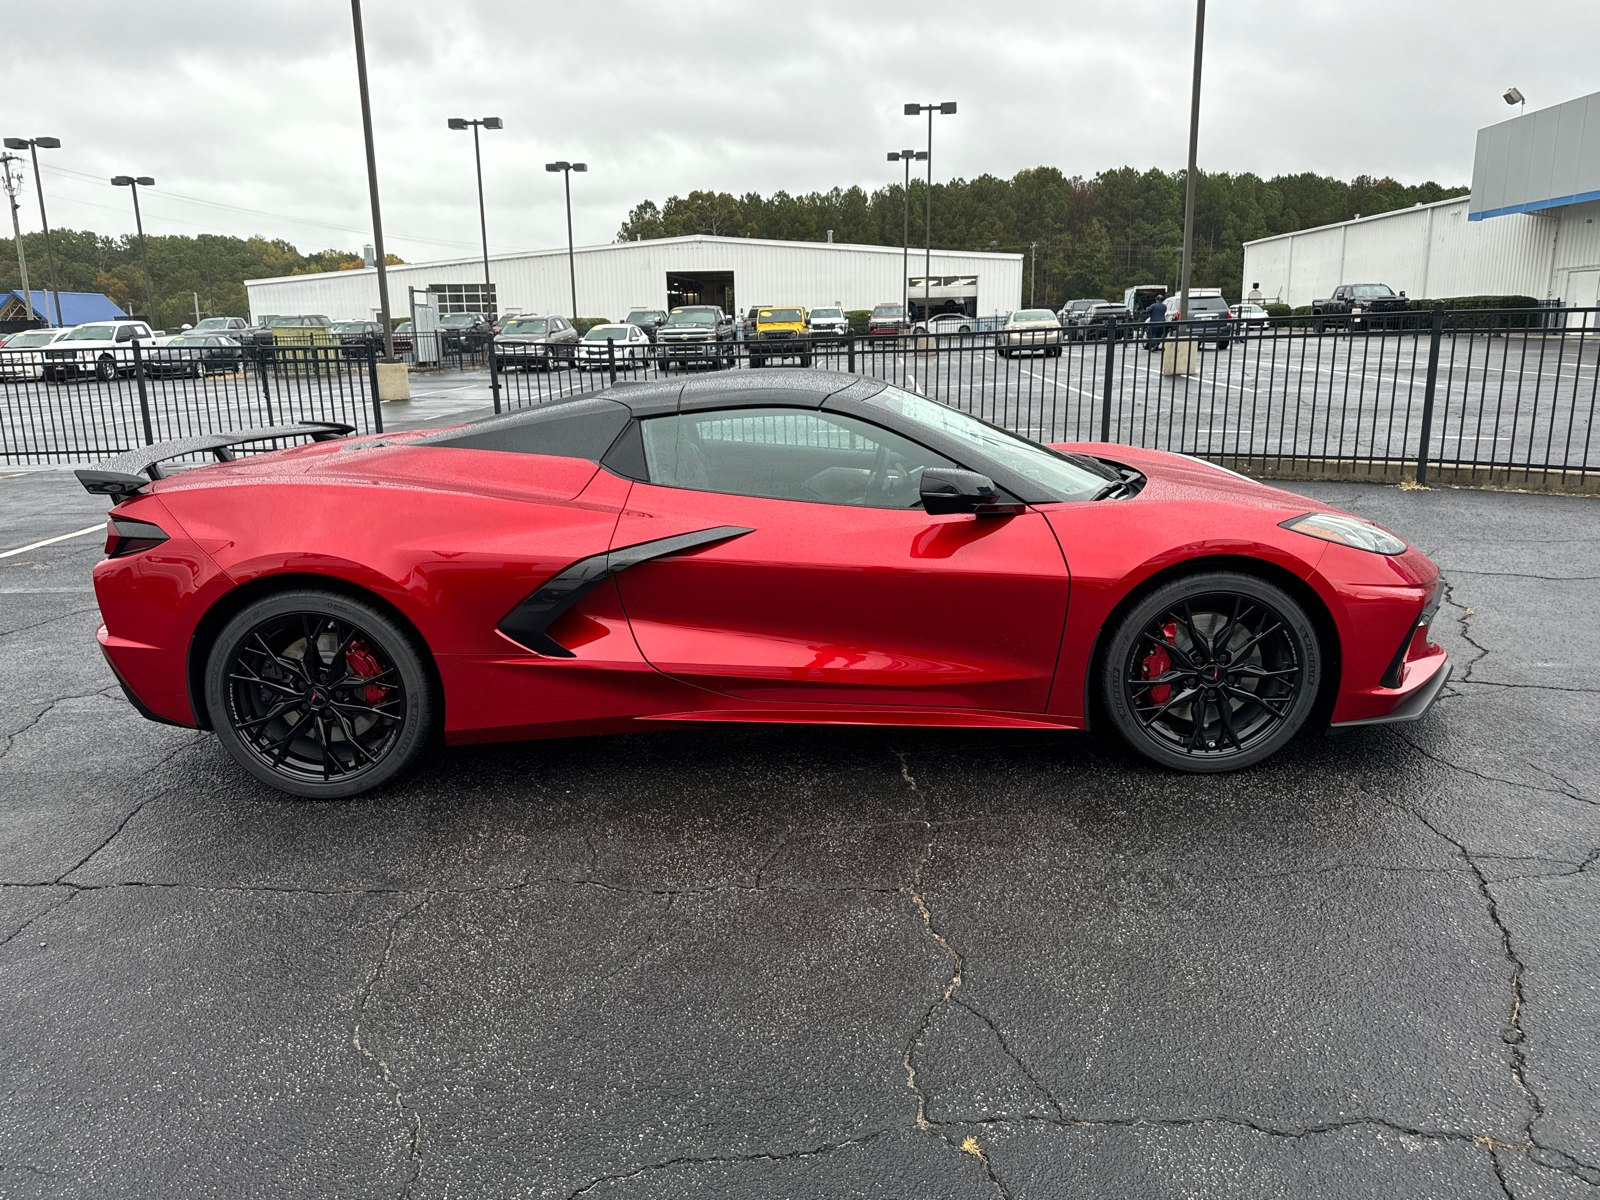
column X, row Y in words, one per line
column 690, row 318
column 345, row 327
column 1057, row 475
column 601, row 333
column 529, row 326
column 780, row 316
column 211, row 323
column 831, row 313
column 1034, row 314
column 1372, row 291
column 1199, row 304
column 457, row 320
column 92, row 333
column 22, row 341
column 888, row 310
column 643, row 315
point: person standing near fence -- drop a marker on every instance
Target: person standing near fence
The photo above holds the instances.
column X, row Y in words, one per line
column 1156, row 315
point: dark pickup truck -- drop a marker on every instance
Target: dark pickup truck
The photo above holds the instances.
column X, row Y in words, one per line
column 1361, row 306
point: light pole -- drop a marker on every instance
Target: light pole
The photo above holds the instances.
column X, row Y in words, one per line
column 566, row 170
column 134, row 184
column 948, row 108
column 907, row 157
column 12, row 182
column 1194, row 143
column 32, row 146
column 483, row 225
column 372, row 180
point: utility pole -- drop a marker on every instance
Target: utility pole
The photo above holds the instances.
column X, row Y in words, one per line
column 11, row 180
column 372, row 181
column 134, row 184
column 948, row 108
column 31, row 145
column 1194, row 145
column 1033, row 269
column 906, row 156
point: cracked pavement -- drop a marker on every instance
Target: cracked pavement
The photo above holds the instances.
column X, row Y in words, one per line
column 817, row 962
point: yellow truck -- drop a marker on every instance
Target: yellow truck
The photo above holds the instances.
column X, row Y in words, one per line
column 780, row 333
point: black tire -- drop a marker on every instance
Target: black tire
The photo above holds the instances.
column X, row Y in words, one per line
column 1171, row 634
column 105, row 368
column 308, row 732
column 805, row 360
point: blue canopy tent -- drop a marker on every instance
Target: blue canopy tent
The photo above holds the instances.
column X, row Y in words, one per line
column 76, row 307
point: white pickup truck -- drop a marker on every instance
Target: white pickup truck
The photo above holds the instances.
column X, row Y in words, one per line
column 103, row 349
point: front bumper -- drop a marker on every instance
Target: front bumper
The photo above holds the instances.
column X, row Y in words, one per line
column 687, row 349
column 1413, row 703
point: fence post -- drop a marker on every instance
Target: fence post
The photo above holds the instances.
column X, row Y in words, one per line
column 372, row 377
column 263, row 369
column 494, row 375
column 1428, row 390
column 144, row 398
column 852, row 352
column 1105, row 400
column 611, row 358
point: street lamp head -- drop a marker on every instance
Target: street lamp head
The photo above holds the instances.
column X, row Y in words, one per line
column 948, row 108
column 557, row 166
column 913, row 110
column 492, row 123
column 457, row 122
column 146, row 181
column 921, row 155
column 580, row 166
column 122, row 180
column 16, row 143
column 894, row 156
column 1512, row 97
column 47, row 143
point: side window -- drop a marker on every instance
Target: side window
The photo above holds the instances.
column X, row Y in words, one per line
column 787, row 454
column 124, row 333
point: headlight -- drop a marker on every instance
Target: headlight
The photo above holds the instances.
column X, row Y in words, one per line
column 1347, row 531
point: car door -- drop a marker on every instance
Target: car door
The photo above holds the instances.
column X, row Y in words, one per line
column 823, row 581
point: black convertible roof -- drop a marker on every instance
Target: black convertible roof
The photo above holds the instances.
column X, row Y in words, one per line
column 586, row 427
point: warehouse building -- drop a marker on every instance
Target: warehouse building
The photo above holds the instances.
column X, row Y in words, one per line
column 1528, row 229
column 731, row 272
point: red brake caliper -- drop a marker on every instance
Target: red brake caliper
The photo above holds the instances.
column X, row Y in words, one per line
column 360, row 660
column 1159, row 662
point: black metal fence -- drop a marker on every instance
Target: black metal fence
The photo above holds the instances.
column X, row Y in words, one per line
column 1476, row 397
column 1492, row 397
column 63, row 404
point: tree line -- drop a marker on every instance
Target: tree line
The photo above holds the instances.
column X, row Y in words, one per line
column 209, row 268
column 1083, row 237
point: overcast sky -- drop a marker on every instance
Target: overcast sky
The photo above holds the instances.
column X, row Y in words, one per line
column 252, row 105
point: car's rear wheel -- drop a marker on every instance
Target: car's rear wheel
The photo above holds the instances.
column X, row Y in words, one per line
column 1212, row 672
column 318, row 694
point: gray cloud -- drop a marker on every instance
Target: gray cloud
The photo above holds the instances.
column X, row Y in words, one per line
column 254, row 104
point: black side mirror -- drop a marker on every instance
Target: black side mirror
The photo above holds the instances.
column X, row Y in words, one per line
column 948, row 490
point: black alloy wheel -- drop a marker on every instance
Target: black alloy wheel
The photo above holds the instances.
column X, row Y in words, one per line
column 1212, row 672
column 105, row 369
column 317, row 694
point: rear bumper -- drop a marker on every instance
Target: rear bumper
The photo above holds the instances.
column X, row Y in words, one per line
column 1412, row 703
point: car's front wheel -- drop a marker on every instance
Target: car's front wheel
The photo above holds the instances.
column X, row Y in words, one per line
column 105, row 369
column 1212, row 672
column 318, row 694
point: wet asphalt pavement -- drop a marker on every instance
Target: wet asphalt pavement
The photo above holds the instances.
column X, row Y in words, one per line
column 797, row 962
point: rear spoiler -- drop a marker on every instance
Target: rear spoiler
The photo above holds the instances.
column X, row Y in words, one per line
column 126, row 474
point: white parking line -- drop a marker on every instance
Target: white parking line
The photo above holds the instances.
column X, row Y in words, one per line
column 100, row 528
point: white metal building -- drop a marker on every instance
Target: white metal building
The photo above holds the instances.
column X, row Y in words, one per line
column 1528, row 228
column 731, row 272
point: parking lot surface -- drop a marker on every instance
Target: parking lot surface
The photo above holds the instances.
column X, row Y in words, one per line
column 784, row 962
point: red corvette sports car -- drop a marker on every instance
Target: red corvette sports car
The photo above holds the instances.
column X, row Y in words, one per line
column 801, row 546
